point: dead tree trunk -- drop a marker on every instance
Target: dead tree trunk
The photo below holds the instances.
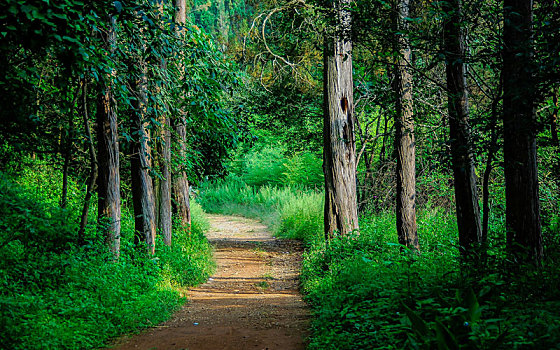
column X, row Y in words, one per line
column 339, row 152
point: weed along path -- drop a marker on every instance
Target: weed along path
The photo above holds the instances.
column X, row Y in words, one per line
column 252, row 301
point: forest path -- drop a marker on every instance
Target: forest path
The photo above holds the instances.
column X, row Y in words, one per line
column 252, row 301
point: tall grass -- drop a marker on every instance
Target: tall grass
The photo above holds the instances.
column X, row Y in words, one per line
column 292, row 211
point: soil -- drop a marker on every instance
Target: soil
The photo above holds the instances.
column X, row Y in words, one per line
column 252, row 301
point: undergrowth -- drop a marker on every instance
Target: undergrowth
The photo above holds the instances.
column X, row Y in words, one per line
column 55, row 294
column 368, row 292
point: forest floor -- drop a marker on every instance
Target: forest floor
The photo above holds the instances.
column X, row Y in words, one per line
column 251, row 302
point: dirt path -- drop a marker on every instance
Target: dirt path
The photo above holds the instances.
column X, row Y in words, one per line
column 252, row 301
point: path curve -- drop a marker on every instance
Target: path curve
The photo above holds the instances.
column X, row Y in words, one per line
column 252, row 301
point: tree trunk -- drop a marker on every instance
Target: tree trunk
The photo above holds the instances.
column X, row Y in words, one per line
column 492, row 148
column 68, row 151
column 404, row 135
column 93, row 170
column 520, row 150
column 163, row 188
column 140, row 165
column 466, row 196
column 339, row 153
column 164, row 203
column 109, row 201
column 180, row 181
column 554, row 120
column 66, row 165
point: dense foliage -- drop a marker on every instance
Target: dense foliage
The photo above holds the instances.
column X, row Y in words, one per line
column 56, row 294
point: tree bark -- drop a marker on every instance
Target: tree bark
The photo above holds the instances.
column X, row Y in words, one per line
column 140, row 164
column 404, row 134
column 93, row 170
column 466, row 196
column 339, row 152
column 180, row 180
column 520, row 150
column 109, row 201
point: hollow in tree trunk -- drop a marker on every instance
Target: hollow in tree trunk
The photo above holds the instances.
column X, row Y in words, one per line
column 339, row 152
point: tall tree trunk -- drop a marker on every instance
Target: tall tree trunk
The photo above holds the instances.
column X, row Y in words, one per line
column 466, row 196
column 520, row 150
column 180, row 181
column 108, row 186
column 163, row 188
column 140, row 165
column 339, row 152
column 93, row 170
column 404, row 134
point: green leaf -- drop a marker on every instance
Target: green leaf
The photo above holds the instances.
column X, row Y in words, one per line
column 474, row 311
column 418, row 324
column 445, row 339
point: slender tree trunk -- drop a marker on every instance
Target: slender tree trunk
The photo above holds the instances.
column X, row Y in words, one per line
column 66, row 165
column 162, row 186
column 140, row 164
column 165, row 217
column 180, row 181
column 68, row 151
column 339, row 152
column 109, row 201
column 384, row 143
column 404, row 135
column 466, row 196
column 492, row 149
column 554, row 120
column 520, row 150
column 93, row 170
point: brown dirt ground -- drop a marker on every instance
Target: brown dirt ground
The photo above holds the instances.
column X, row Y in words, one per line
column 252, row 301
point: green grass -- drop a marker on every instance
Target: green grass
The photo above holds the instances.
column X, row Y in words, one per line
column 55, row 294
column 367, row 293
